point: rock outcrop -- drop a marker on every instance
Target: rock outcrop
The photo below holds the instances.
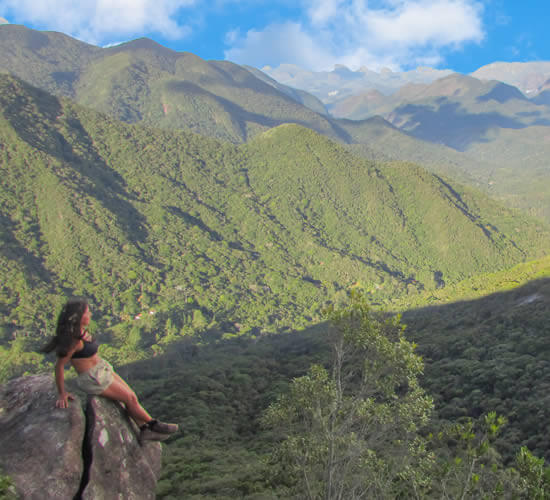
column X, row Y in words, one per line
column 40, row 446
column 72, row 453
column 121, row 467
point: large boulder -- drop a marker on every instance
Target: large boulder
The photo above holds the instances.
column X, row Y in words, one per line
column 40, row 445
column 69, row 453
column 121, row 467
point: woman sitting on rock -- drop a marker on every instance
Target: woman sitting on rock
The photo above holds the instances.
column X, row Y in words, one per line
column 72, row 343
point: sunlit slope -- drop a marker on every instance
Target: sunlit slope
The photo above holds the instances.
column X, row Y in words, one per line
column 484, row 133
column 143, row 82
column 521, row 175
column 480, row 286
column 396, row 216
column 213, row 236
column 49, row 60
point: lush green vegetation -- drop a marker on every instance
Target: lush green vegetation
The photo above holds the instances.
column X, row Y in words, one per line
column 220, row 392
column 491, row 354
column 496, row 138
column 490, row 133
column 172, row 234
column 7, row 488
column 484, row 342
column 354, row 430
column 479, row 286
column 143, row 82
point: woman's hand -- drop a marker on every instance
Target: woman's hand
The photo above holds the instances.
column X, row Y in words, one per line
column 63, row 400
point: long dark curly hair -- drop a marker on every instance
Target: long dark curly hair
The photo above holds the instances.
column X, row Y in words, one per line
column 67, row 332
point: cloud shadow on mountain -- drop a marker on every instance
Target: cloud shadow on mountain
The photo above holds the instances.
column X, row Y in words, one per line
column 450, row 123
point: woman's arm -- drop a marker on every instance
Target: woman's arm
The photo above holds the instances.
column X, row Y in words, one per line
column 63, row 399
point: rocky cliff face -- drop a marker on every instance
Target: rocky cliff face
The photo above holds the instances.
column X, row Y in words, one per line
column 72, row 453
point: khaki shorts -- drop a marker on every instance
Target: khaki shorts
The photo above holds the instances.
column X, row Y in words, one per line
column 97, row 378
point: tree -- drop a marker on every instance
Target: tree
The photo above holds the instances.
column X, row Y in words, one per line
column 352, row 431
column 467, row 465
column 359, row 429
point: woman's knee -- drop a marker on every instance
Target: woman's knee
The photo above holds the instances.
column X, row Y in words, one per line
column 132, row 398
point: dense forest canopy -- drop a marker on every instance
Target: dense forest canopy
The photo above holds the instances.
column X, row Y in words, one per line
column 172, row 234
column 481, row 132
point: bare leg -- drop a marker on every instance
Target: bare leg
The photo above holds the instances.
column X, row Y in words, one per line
column 120, row 391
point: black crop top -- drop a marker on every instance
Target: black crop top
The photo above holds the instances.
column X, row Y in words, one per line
column 89, row 349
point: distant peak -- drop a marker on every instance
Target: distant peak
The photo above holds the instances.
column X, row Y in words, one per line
column 4, row 21
column 142, row 43
column 345, row 72
column 340, row 69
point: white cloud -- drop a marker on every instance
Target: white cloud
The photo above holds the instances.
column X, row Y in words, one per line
column 322, row 11
column 441, row 23
column 98, row 21
column 277, row 43
column 232, row 36
column 396, row 34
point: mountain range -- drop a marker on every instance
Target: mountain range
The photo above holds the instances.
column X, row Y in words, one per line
column 340, row 83
column 259, row 234
column 480, row 133
column 497, row 118
column 144, row 82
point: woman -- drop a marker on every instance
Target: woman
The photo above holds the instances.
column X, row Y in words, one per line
column 73, row 344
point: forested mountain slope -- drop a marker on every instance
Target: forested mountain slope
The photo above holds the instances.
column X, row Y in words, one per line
column 493, row 135
column 198, row 235
column 144, row 82
column 179, row 239
column 491, row 353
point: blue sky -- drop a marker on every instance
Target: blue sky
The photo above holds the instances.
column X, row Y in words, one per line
column 461, row 35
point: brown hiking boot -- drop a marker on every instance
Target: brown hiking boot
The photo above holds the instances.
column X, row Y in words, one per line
column 156, row 431
column 148, row 435
column 162, row 428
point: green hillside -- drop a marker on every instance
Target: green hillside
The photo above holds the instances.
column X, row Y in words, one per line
column 521, row 175
column 485, row 134
column 480, row 285
column 496, row 130
column 180, row 240
column 144, row 82
column 172, row 234
column 376, row 138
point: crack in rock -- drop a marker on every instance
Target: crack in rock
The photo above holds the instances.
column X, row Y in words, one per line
column 51, row 452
